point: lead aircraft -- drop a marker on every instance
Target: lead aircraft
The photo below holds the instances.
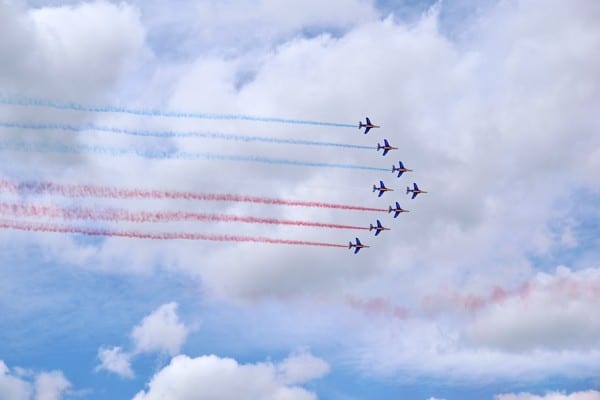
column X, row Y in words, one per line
column 356, row 246
column 368, row 125
column 414, row 191
column 378, row 228
column 382, row 189
column 386, row 147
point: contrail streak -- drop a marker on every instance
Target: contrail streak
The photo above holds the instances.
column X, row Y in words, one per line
column 176, row 134
column 79, row 191
column 116, row 215
column 178, row 155
column 37, row 227
column 33, row 102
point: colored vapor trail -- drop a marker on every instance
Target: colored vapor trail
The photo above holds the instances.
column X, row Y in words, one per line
column 175, row 134
column 54, row 228
column 117, row 193
column 116, row 152
column 116, row 215
column 34, row 102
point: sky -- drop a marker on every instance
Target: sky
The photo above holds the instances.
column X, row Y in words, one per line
column 179, row 184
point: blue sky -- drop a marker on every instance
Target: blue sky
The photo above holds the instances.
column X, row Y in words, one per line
column 487, row 289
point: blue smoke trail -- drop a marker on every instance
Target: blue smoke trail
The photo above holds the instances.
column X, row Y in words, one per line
column 33, row 102
column 111, row 151
column 173, row 134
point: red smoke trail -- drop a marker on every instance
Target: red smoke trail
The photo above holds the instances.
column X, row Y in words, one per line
column 116, row 193
column 36, row 227
column 29, row 210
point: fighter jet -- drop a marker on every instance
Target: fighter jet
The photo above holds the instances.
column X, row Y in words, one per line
column 414, row 191
column 356, row 246
column 381, row 189
column 397, row 210
column 401, row 169
column 378, row 228
column 386, row 147
column 368, row 125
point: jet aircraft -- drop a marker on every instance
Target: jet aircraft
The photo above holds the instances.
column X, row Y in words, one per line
column 397, row 210
column 414, row 191
column 378, row 228
column 401, row 169
column 381, row 189
column 356, row 246
column 368, row 125
column 386, row 147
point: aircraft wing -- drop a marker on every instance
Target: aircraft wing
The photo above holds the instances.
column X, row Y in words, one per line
column 386, row 142
column 356, row 250
column 368, row 121
column 415, row 185
column 414, row 195
column 397, row 213
column 385, row 151
column 380, row 193
column 377, row 232
column 379, row 223
column 367, row 130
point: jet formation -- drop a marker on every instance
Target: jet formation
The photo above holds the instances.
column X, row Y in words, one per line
column 400, row 169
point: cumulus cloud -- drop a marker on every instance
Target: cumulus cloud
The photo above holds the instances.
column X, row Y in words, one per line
column 11, row 386
column 115, row 360
column 161, row 331
column 212, row 377
column 301, row 367
column 79, row 51
column 480, row 119
column 555, row 311
column 583, row 395
column 50, row 385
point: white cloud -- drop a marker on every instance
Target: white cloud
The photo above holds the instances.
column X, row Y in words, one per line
column 115, row 360
column 161, row 331
column 11, row 386
column 50, row 385
column 301, row 367
column 554, row 311
column 481, row 120
column 583, row 395
column 212, row 377
column 78, row 51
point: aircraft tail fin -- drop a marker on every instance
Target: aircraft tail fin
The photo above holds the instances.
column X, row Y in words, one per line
column 407, row 190
column 349, row 245
column 371, row 227
column 374, row 188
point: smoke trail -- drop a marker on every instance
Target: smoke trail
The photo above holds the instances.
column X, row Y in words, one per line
column 37, row 227
column 33, row 102
column 179, row 155
column 174, row 134
column 116, row 215
column 117, row 193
